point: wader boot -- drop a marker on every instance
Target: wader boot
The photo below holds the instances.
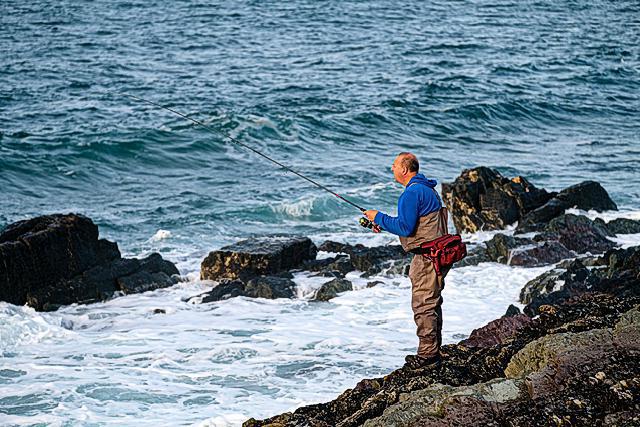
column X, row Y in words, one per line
column 426, row 287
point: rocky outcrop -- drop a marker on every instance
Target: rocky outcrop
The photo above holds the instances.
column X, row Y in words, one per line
column 575, row 363
column 620, row 274
column 331, row 289
column 578, row 233
column 257, row 256
column 586, row 196
column 337, row 266
column 620, row 225
column 482, row 199
column 55, row 260
column 372, row 260
column 269, row 287
column 564, row 237
column 497, row 331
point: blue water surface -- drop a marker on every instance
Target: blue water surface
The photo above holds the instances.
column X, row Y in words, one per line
column 547, row 90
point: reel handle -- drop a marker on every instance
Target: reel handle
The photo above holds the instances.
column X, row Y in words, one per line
column 366, row 223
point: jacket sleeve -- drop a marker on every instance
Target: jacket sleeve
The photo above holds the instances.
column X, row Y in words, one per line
column 405, row 223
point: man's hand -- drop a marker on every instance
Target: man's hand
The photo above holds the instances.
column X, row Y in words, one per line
column 370, row 214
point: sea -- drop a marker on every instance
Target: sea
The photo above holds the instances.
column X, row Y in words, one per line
column 334, row 89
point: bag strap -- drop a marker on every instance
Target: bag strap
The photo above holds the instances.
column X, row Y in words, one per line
column 443, row 214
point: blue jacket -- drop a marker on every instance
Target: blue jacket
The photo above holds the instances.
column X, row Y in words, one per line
column 418, row 199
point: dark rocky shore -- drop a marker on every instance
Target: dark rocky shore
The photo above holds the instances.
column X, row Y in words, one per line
column 569, row 358
column 56, row 260
column 572, row 358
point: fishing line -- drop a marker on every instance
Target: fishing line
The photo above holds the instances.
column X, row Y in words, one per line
column 234, row 140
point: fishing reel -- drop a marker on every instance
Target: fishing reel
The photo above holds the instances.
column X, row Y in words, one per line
column 366, row 223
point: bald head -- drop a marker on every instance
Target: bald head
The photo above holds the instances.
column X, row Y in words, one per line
column 405, row 167
column 409, row 161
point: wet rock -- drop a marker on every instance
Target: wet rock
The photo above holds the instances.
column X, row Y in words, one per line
column 331, row 289
column 586, row 196
column 544, row 284
column 226, row 289
column 474, row 257
column 257, row 256
column 497, row 331
column 525, row 252
column 621, row 277
column 500, row 246
column 56, row 260
column 372, row 260
column 555, row 286
column 578, row 233
column 482, row 199
column 620, row 225
column 337, row 266
column 374, row 283
column 512, row 310
column 538, row 254
column 270, row 287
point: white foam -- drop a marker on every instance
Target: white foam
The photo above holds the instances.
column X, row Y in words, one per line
column 218, row 364
column 161, row 235
column 300, row 208
column 606, row 216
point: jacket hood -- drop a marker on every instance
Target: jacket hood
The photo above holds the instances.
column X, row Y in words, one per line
column 421, row 179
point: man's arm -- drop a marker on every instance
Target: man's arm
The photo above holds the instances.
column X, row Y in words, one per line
column 405, row 223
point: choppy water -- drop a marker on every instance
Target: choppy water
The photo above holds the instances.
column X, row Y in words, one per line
column 549, row 90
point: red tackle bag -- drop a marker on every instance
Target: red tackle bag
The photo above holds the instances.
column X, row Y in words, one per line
column 444, row 251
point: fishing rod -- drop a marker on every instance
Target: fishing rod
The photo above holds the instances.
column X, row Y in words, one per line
column 363, row 221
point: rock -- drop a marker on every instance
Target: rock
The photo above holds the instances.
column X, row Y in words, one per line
column 626, row 333
column 55, row 260
column 441, row 405
column 482, row 199
column 620, row 225
column 372, row 260
column 338, row 266
column 331, row 289
column 623, row 262
column 374, row 283
column 512, row 310
column 549, row 350
column 270, row 287
column 550, row 289
column 226, row 289
column 548, row 363
column 497, row 331
column 586, row 196
column 577, row 233
column 543, row 285
column 500, row 245
column 525, row 252
column 539, row 254
column 257, row 256
column 474, row 257
column 620, row 278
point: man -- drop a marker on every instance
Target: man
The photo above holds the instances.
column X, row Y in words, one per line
column 419, row 220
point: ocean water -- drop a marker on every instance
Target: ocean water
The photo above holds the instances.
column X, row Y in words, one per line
column 550, row 91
